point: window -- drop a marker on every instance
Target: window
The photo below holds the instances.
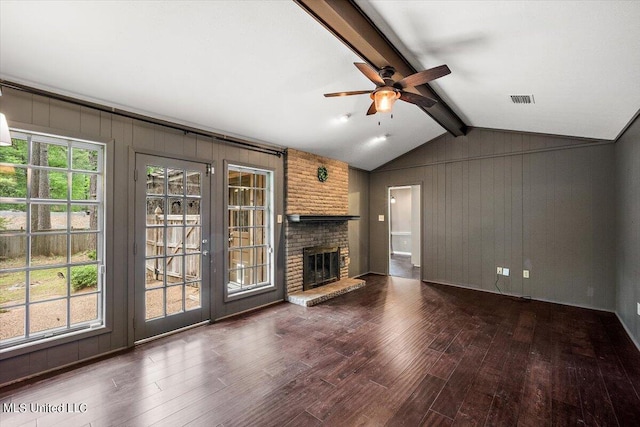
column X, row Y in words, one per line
column 51, row 237
column 250, row 257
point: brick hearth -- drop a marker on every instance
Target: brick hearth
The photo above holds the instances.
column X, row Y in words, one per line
column 323, row 293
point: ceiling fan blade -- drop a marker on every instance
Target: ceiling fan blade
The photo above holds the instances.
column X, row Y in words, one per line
column 370, row 73
column 372, row 109
column 423, row 77
column 419, row 100
column 353, row 92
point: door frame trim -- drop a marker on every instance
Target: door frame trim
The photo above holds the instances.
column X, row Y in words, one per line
column 420, row 213
column 131, row 219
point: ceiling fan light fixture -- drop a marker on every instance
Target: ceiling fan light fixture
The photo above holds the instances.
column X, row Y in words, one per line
column 384, row 98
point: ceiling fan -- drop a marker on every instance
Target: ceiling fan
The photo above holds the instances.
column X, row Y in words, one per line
column 387, row 91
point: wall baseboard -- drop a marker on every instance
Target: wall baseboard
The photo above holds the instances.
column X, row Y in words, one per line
column 633, row 340
column 60, row 369
column 363, row 274
column 510, row 294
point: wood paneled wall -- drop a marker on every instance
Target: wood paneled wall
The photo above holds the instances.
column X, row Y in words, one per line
column 129, row 135
column 628, row 229
column 516, row 200
column 359, row 229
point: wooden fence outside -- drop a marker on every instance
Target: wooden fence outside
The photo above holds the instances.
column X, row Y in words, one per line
column 155, row 247
column 45, row 245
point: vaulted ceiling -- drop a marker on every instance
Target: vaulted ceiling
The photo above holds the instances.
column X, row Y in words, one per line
column 259, row 69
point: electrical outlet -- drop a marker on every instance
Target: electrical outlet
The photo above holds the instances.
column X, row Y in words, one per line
column 525, row 274
column 499, row 270
column 505, row 271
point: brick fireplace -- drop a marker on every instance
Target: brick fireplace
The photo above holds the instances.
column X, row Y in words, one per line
column 309, row 197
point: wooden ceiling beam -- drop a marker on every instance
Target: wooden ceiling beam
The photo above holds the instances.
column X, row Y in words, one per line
column 346, row 21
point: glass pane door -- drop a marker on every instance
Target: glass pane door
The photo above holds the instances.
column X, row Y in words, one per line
column 172, row 244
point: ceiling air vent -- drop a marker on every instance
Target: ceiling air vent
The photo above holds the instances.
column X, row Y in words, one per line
column 523, row 99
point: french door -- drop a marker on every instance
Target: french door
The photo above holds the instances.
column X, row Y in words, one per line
column 172, row 238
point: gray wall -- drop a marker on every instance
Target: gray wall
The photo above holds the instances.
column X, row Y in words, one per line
column 509, row 199
column 129, row 135
column 628, row 228
column 359, row 229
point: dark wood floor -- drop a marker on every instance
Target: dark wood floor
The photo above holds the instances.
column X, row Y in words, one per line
column 400, row 266
column 397, row 352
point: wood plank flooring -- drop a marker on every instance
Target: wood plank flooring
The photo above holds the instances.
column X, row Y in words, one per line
column 397, row 352
column 400, row 266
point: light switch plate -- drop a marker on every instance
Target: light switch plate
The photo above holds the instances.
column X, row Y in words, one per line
column 505, row 271
column 499, row 270
column 381, row 218
column 525, row 274
column 279, row 219
column 639, row 309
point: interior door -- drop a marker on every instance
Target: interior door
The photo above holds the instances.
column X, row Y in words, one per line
column 172, row 205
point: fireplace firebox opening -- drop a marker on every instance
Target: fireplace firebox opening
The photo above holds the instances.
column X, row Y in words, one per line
column 321, row 265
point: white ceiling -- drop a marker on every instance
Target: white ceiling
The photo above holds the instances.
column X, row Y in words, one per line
column 258, row 69
column 580, row 60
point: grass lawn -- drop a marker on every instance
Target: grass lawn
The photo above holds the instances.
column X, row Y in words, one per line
column 44, row 284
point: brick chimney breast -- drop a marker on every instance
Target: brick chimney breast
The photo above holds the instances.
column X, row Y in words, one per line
column 307, row 195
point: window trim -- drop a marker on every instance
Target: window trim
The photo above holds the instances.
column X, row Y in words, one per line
column 270, row 213
column 73, row 334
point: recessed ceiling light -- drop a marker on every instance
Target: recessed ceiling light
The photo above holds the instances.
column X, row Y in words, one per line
column 376, row 140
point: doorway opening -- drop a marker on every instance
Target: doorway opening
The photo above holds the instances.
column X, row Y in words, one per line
column 404, row 231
